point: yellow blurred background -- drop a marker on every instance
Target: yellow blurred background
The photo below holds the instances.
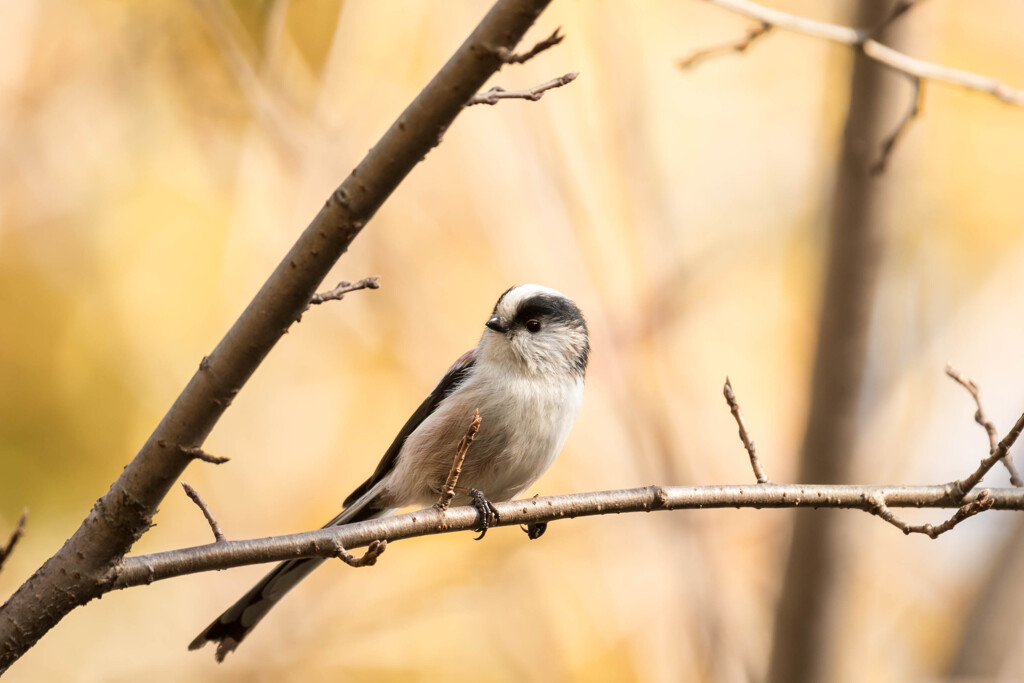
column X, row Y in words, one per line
column 158, row 158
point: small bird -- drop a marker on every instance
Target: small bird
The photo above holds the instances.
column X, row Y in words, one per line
column 525, row 376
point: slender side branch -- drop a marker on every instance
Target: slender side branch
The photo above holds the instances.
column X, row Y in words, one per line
column 218, row 534
column 981, row 503
column 734, row 406
column 448, row 492
column 509, row 57
column 199, row 454
column 343, row 288
column 986, row 424
column 497, row 93
column 18, row 532
column 74, row 575
column 738, row 46
column 134, row 571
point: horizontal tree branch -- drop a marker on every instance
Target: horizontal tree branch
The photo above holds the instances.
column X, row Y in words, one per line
column 145, row 569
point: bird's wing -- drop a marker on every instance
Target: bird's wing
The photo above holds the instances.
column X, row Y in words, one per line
column 455, row 376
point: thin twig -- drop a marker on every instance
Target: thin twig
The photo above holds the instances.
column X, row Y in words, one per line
column 343, row 288
column 510, row 57
column 448, row 492
column 218, row 534
column 497, row 93
column 989, row 427
column 983, row 502
column 199, row 454
column 733, row 46
column 734, row 406
column 19, row 530
column 916, row 104
column 369, row 558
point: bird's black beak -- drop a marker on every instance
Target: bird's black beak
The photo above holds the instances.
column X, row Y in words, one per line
column 495, row 324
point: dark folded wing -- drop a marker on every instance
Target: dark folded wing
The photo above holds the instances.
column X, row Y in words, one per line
column 455, row 376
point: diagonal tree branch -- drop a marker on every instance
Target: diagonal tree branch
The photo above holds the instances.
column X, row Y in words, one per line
column 72, row 577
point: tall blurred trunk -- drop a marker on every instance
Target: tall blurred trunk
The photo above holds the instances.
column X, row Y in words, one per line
column 992, row 629
column 806, row 617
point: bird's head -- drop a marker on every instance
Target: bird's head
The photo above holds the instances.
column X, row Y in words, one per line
column 537, row 330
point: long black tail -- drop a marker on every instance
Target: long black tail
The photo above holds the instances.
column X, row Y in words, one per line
column 231, row 628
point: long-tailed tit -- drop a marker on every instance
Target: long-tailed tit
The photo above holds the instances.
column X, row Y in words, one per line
column 525, row 376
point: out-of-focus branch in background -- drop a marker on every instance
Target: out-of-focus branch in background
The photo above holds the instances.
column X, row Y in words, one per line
column 866, row 42
column 806, row 618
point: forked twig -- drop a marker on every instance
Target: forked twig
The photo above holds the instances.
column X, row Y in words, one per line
column 983, row 502
column 979, row 417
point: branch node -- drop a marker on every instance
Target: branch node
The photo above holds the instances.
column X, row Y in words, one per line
column 218, row 534
column 734, row 407
column 343, row 288
column 448, row 491
column 199, row 454
column 368, row 559
column 533, row 94
column 18, row 532
column 509, row 57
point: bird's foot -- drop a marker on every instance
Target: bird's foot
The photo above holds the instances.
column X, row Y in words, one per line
column 535, row 530
column 488, row 513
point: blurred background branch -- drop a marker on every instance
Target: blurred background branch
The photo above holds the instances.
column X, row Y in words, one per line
column 866, row 41
column 804, row 638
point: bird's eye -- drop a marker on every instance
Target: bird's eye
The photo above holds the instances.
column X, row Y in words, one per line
column 533, row 325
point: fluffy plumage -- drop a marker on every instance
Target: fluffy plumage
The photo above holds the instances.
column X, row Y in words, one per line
column 525, row 376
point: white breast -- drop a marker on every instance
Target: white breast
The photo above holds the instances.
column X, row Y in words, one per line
column 524, row 424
